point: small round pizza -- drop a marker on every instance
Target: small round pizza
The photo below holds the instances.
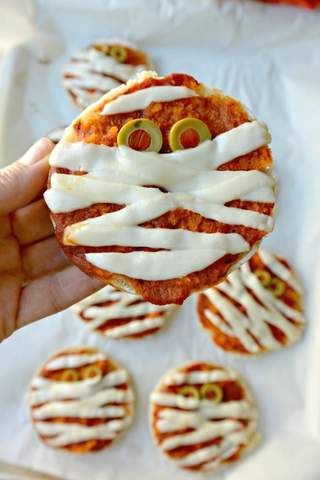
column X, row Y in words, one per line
column 56, row 134
column 162, row 187
column 102, row 66
column 80, row 400
column 118, row 315
column 203, row 417
column 257, row 309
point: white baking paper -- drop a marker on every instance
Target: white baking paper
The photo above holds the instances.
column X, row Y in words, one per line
column 268, row 57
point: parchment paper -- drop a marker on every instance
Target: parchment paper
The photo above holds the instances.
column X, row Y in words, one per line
column 266, row 56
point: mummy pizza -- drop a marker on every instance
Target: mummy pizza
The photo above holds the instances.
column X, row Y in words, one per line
column 80, row 400
column 119, row 315
column 100, row 67
column 56, row 134
column 162, row 187
column 257, row 309
column 203, row 417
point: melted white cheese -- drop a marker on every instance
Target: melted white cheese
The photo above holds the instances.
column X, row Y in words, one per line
column 141, row 317
column 263, row 310
column 203, row 419
column 190, row 177
column 91, row 69
column 140, row 99
column 86, row 399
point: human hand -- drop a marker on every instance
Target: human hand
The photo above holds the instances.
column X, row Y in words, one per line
column 36, row 279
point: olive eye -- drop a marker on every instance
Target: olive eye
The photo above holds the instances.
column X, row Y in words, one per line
column 91, row 371
column 263, row 276
column 188, row 133
column 140, row 134
column 212, row 392
column 188, row 391
column 105, row 49
column 276, row 286
column 70, row 375
column 118, row 53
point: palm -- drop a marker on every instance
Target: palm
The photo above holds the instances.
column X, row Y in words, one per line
column 35, row 277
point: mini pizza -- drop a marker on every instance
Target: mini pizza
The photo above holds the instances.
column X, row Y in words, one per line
column 80, row 400
column 102, row 66
column 203, row 417
column 119, row 315
column 257, row 309
column 56, row 135
column 162, row 187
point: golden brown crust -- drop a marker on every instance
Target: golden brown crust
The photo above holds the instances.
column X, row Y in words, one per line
column 221, row 113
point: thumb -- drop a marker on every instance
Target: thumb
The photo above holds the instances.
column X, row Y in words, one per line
column 22, row 181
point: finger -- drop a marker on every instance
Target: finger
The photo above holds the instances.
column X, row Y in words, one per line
column 5, row 227
column 9, row 255
column 42, row 258
column 24, row 226
column 10, row 286
column 53, row 293
column 21, row 182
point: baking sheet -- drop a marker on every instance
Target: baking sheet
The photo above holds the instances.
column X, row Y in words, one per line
column 266, row 56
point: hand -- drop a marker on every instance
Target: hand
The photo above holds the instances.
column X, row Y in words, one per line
column 36, row 279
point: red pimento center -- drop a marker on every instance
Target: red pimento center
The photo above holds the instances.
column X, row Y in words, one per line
column 139, row 140
column 210, row 395
column 190, row 138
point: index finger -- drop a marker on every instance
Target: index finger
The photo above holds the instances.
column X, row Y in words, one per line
column 22, row 181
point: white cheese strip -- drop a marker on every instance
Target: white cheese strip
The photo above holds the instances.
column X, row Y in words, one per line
column 69, row 433
column 140, row 99
column 92, row 60
column 157, row 238
column 71, row 361
column 217, row 375
column 92, row 70
column 208, row 431
column 137, row 316
column 91, row 81
column 175, row 264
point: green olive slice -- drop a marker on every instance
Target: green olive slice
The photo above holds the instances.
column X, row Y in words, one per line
column 185, row 126
column 119, row 53
column 147, row 126
column 212, row 392
column 102, row 48
column 69, row 375
column 263, row 276
column 276, row 286
column 91, row 371
column 188, row 391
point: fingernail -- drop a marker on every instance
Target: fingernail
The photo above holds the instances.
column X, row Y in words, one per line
column 37, row 152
